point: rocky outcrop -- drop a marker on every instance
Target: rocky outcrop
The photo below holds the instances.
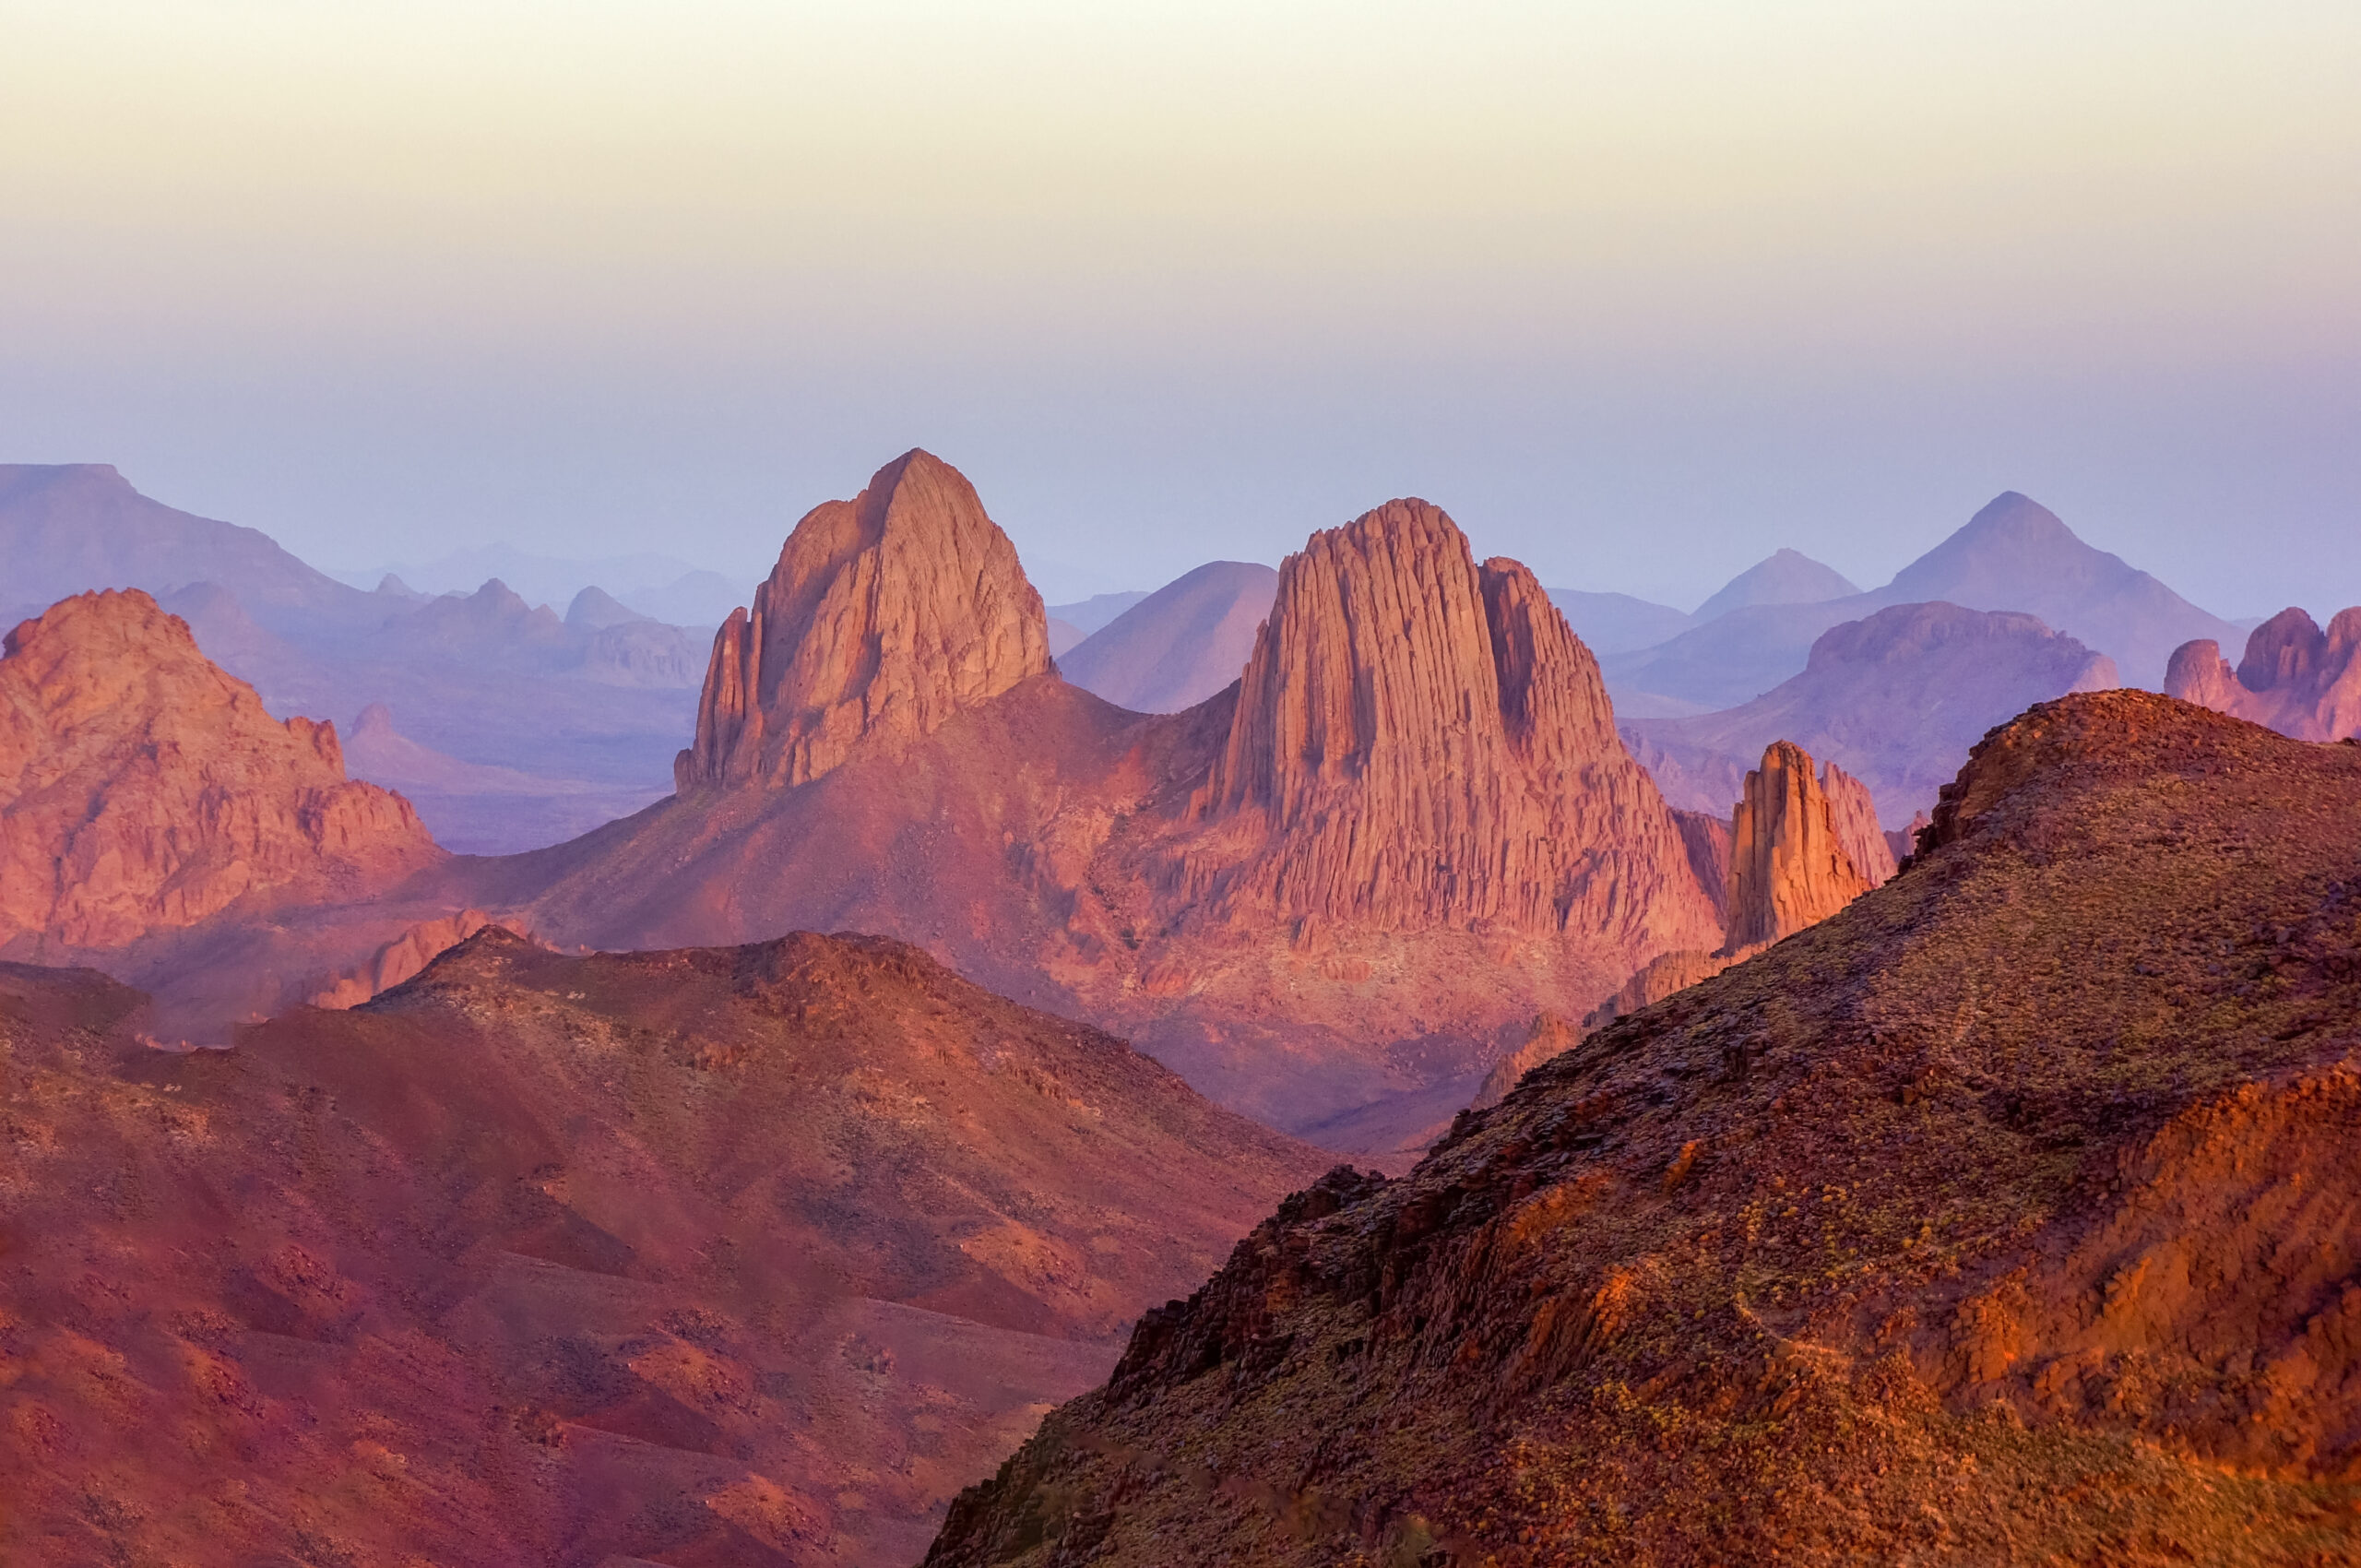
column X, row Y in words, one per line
column 141, row 788
column 1421, row 748
column 1419, row 741
column 2297, row 679
column 1549, row 1036
column 1789, row 868
column 408, row 955
column 885, row 615
column 1902, row 842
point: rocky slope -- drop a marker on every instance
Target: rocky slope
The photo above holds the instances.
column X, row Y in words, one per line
column 2295, row 678
column 1180, row 643
column 1800, row 847
column 1419, row 746
column 750, row 1256
column 2010, row 1214
column 143, row 790
column 1895, row 699
column 885, row 615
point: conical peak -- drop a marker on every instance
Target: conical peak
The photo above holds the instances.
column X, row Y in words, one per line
column 886, row 615
column 2019, row 519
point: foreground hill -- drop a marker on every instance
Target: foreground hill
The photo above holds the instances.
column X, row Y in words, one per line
column 750, row 1256
column 2010, row 1214
column 1896, row 698
column 1418, row 748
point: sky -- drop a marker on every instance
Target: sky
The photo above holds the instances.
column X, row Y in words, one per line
column 1638, row 293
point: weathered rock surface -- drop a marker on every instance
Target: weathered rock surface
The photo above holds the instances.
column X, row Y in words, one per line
column 2295, row 678
column 2032, row 1174
column 143, row 790
column 1180, row 645
column 885, row 615
column 1419, row 741
column 1789, row 865
column 1805, row 841
column 1421, row 748
column 1853, row 813
column 751, row 1256
column 1895, row 699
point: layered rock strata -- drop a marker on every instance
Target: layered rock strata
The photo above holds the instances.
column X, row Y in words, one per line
column 885, row 615
column 143, row 790
column 2295, row 678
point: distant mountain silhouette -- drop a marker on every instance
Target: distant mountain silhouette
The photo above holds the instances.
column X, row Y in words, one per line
column 2013, row 555
column 69, row 528
column 1616, row 622
column 594, row 703
column 1180, row 643
column 1897, row 699
column 1787, row 576
column 1088, row 615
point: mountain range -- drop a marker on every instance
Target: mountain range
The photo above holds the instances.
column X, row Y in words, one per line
column 2014, row 554
column 584, row 1204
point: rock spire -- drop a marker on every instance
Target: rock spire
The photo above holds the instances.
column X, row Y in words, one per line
column 885, row 615
column 1789, row 864
column 1420, row 740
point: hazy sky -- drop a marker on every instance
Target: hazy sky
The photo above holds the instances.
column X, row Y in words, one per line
column 1637, row 291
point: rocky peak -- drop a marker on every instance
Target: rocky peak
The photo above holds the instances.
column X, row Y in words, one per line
column 885, row 615
column 1789, row 867
column 2295, row 678
column 1422, row 741
column 141, row 788
column 2286, row 650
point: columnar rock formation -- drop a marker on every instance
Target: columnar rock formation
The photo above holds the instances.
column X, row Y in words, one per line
column 141, row 788
column 1788, row 865
column 1853, row 813
column 885, row 615
column 2295, row 678
column 1419, row 741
